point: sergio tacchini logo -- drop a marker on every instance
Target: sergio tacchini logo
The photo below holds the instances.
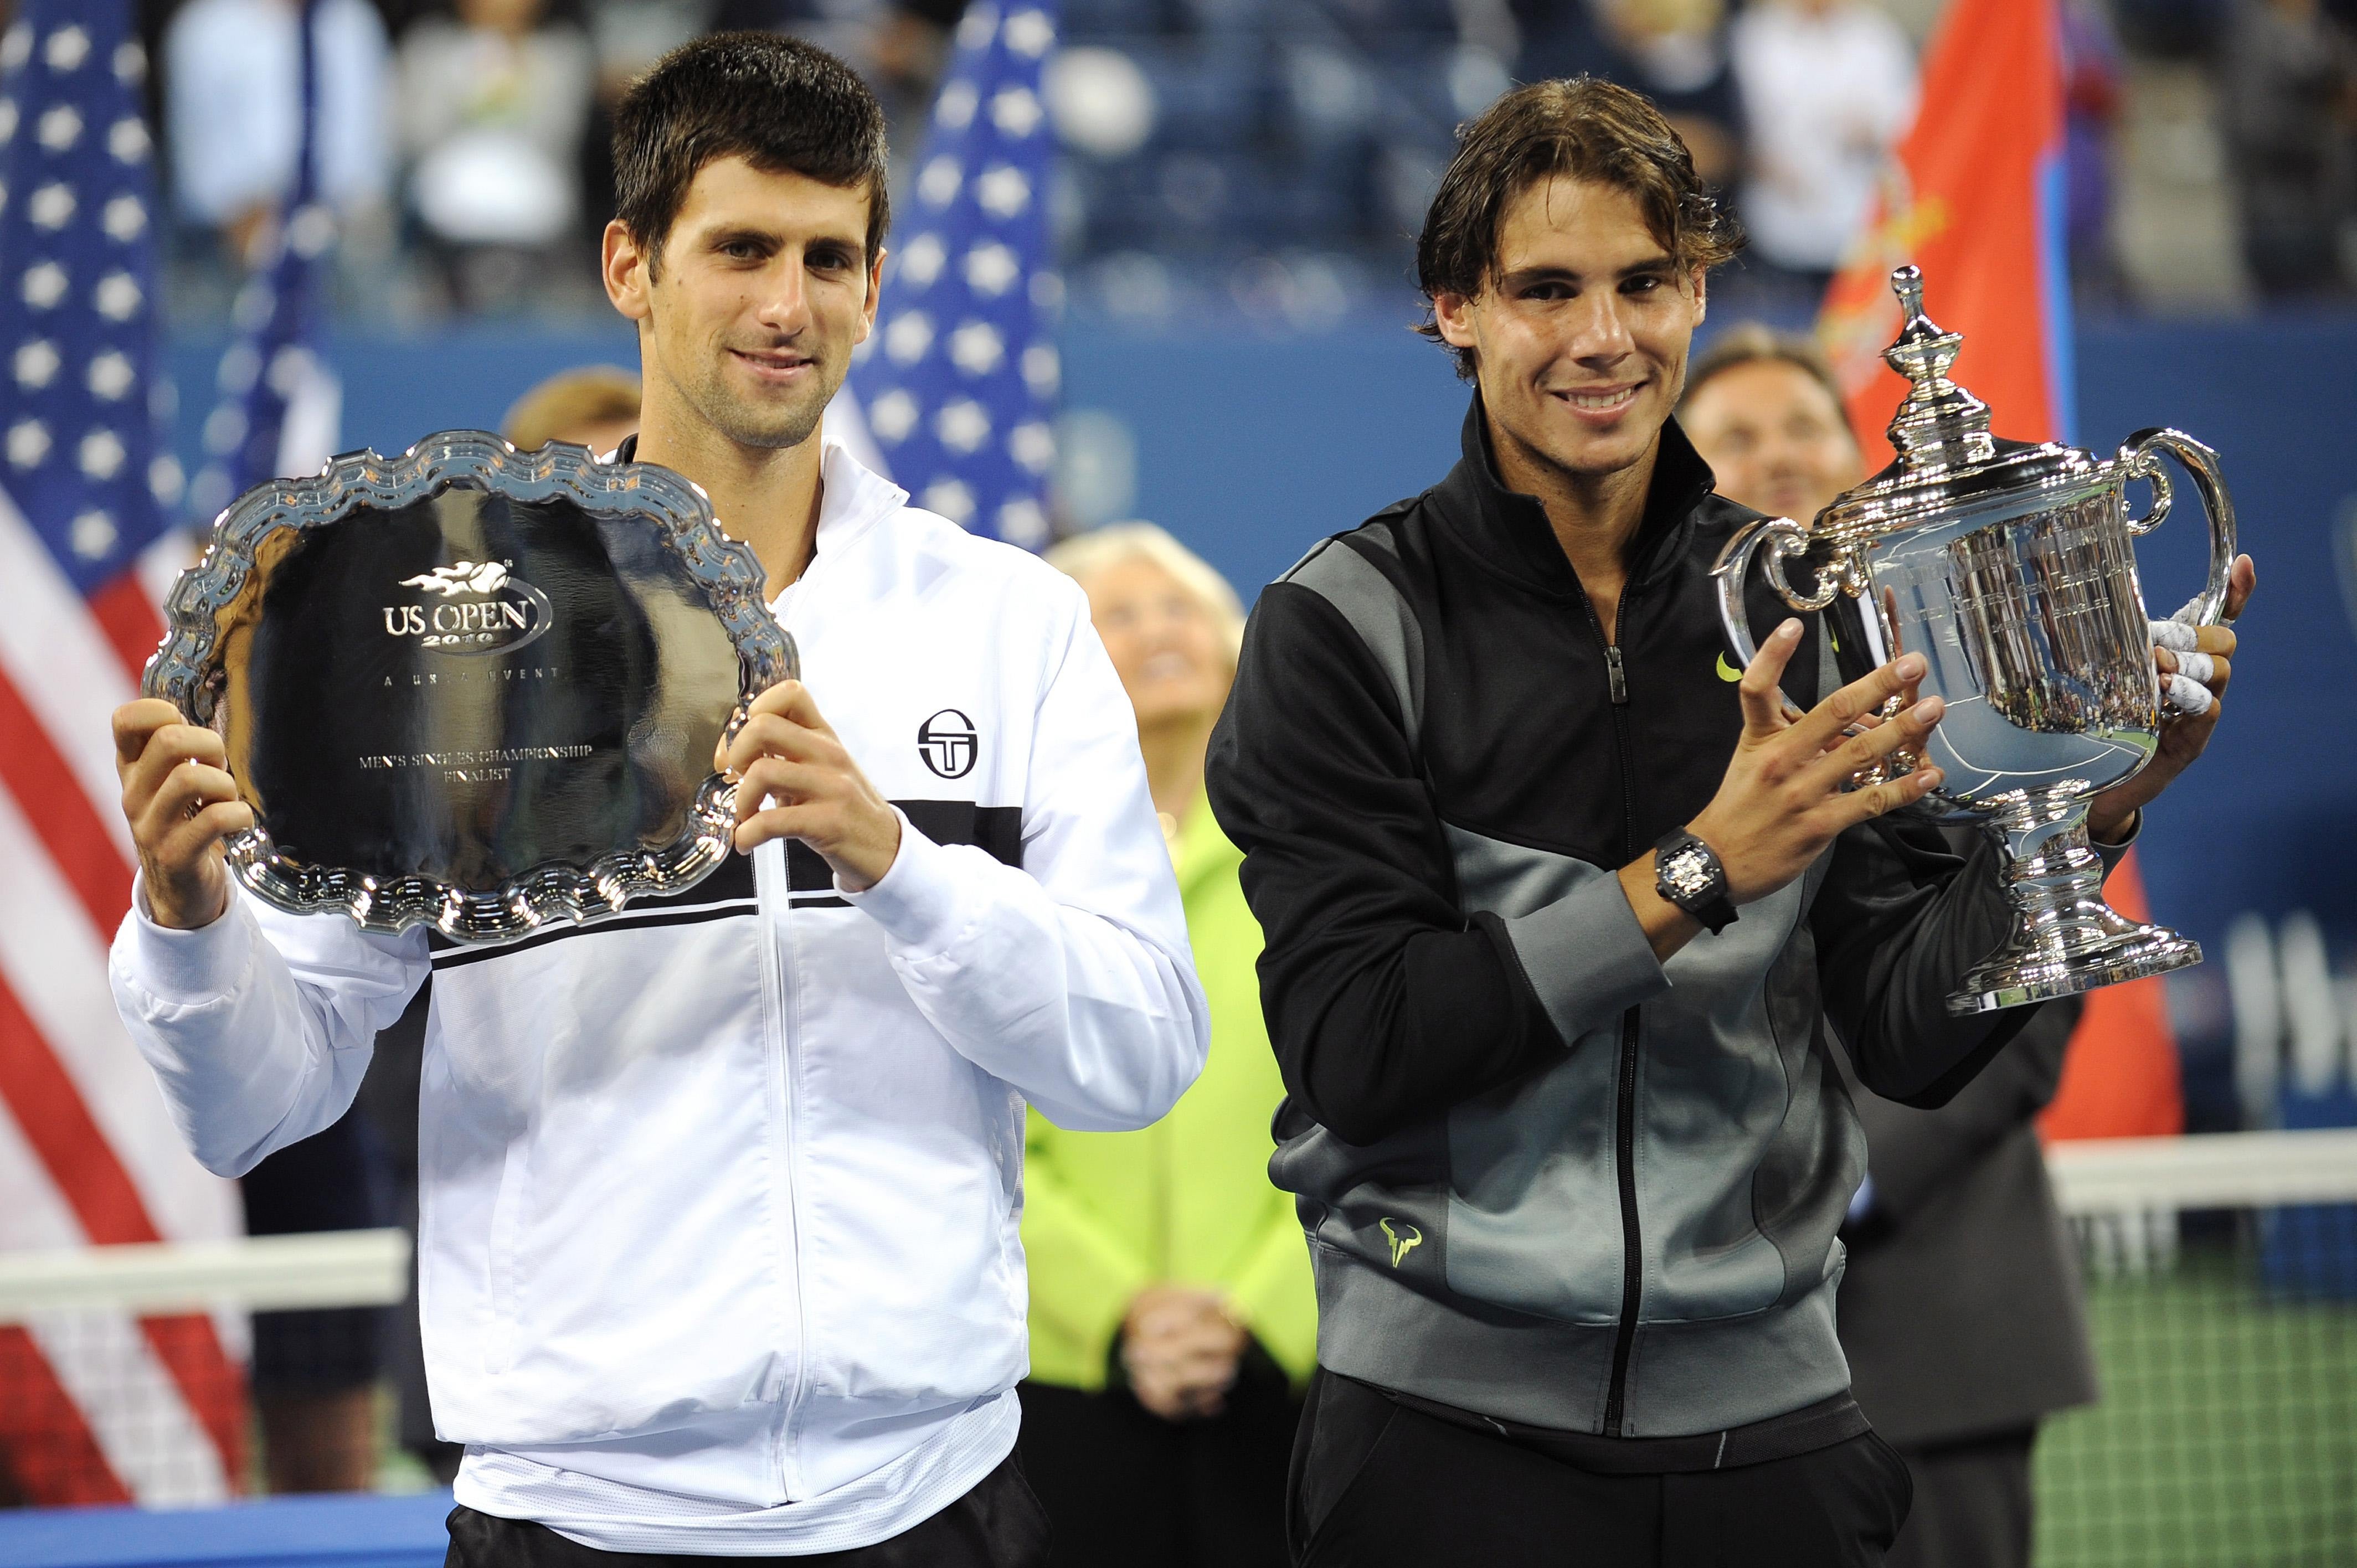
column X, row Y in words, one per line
column 948, row 744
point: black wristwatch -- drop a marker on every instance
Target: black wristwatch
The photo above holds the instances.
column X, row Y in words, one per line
column 1687, row 874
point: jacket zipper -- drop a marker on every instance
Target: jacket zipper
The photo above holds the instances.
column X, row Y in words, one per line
column 776, row 905
column 1632, row 1252
column 1633, row 1248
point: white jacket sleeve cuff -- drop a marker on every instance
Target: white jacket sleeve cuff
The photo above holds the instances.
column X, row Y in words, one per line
column 189, row 968
column 916, row 902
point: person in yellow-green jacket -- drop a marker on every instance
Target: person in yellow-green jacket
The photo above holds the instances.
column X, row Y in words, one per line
column 1173, row 1323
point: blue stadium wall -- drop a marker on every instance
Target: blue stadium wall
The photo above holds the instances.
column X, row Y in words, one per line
column 1251, row 447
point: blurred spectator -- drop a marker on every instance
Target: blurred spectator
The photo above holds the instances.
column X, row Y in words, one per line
column 232, row 96
column 597, row 405
column 1673, row 51
column 1676, row 55
column 1172, row 1319
column 2090, row 107
column 1960, row 1312
column 1766, row 414
column 493, row 104
column 629, row 35
column 626, row 36
column 1828, row 86
column 2291, row 122
column 899, row 44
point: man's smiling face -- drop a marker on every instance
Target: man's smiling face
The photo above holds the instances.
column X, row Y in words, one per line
column 760, row 294
column 1581, row 331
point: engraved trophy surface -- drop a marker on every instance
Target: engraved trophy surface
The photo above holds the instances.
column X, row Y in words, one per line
column 2009, row 567
column 469, row 687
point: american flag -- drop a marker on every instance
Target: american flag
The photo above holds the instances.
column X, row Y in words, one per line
column 280, row 402
column 960, row 383
column 98, row 1408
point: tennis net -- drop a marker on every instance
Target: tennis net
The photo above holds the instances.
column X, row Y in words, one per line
column 123, row 1369
column 2221, row 1293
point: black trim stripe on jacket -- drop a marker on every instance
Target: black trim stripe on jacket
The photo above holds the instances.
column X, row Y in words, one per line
column 728, row 892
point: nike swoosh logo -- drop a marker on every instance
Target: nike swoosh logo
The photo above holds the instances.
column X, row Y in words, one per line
column 1728, row 672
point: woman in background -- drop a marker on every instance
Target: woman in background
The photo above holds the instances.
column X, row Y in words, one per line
column 1172, row 1320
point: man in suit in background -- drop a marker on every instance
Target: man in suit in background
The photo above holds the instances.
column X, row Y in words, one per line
column 1961, row 1312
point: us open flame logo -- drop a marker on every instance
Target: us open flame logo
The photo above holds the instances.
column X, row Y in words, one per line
column 482, row 608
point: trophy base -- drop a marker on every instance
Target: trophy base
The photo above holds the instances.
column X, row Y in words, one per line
column 2066, row 939
column 2021, row 973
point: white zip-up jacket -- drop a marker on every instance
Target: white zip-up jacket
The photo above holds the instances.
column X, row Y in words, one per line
column 720, row 1196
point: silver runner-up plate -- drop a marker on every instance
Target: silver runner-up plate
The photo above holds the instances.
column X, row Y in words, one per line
column 470, row 687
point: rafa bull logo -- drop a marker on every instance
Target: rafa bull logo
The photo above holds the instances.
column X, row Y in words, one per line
column 1403, row 1240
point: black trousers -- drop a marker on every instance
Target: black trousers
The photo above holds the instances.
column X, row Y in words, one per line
column 996, row 1525
column 1126, row 1489
column 1972, row 1504
column 1379, row 1486
column 340, row 1180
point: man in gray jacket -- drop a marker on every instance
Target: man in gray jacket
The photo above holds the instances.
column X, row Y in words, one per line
column 1562, row 916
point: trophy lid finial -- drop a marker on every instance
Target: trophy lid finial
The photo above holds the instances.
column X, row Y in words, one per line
column 1947, row 456
column 1906, row 282
column 1939, row 423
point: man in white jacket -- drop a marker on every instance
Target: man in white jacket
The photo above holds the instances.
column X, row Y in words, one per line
column 720, row 1196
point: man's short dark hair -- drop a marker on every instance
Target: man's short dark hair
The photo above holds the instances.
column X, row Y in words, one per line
column 783, row 105
column 1582, row 128
column 1750, row 343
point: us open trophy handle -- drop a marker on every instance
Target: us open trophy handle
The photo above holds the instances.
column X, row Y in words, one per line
column 1783, row 539
column 2140, row 460
column 1845, row 573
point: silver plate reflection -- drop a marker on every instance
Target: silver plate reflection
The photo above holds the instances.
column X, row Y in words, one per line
column 473, row 688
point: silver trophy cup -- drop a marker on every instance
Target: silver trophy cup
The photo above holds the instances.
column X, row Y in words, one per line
column 2009, row 568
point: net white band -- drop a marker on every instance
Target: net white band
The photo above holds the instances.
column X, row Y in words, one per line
column 261, row 1274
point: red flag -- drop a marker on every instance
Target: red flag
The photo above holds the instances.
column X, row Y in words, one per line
column 1974, row 196
column 2120, row 1076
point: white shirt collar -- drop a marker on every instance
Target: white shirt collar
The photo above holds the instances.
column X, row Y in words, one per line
column 851, row 494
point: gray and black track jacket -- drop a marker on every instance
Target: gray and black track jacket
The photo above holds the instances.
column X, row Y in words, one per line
column 1546, row 1179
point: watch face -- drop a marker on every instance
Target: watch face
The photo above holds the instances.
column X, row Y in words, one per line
column 1688, row 871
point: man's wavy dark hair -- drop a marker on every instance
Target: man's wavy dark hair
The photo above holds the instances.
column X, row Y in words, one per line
column 1581, row 127
column 783, row 105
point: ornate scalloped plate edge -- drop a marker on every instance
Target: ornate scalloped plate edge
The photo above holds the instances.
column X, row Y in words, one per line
column 184, row 669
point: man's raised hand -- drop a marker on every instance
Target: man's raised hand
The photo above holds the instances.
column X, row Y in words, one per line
column 181, row 803
column 1782, row 800
column 787, row 754
column 2195, row 664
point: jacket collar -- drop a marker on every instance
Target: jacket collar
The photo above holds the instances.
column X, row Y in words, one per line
column 851, row 495
column 1511, row 531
